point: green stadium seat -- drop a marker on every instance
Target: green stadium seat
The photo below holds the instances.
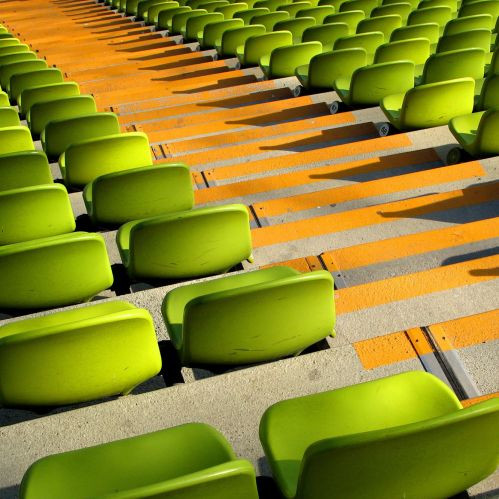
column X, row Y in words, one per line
column 365, row 6
column 283, row 61
column 416, row 50
column 165, row 17
column 295, row 26
column 34, row 212
column 431, row 31
column 13, row 49
column 367, row 41
column 327, row 34
column 476, row 133
column 351, row 19
column 53, row 271
column 402, row 9
column 272, row 5
column 234, row 39
column 9, row 117
column 4, row 99
column 439, row 3
column 9, row 42
column 219, row 322
column 139, row 193
column 481, row 7
column 24, row 169
column 212, row 33
column 400, row 436
column 213, row 5
column 192, row 243
column 293, row 8
column 439, row 15
column 23, row 81
column 185, row 462
column 318, row 13
column 248, row 15
column 8, row 70
column 44, row 93
column 58, row 135
column 20, row 56
column 15, row 139
column 464, row 24
column 489, row 95
column 480, row 38
column 428, row 105
column 369, row 84
column 153, row 12
column 270, row 19
column 131, row 7
column 143, row 8
column 77, row 355
column 83, row 161
column 325, row 68
column 455, row 64
column 195, row 25
column 179, row 21
column 385, row 24
column 258, row 46
column 228, row 11
column 42, row 113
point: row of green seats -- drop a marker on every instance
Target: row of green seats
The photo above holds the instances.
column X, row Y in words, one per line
column 108, row 349
column 406, row 435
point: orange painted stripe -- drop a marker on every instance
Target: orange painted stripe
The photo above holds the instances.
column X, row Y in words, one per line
column 320, row 174
column 419, row 341
column 362, row 190
column 281, row 144
column 232, row 102
column 372, row 215
column 409, row 286
column 205, row 121
column 477, row 400
column 412, row 244
column 467, row 331
column 307, row 264
column 384, row 350
column 308, row 157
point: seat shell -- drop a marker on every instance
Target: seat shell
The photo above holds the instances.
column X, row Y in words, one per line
column 45, row 93
column 193, row 243
column 15, row 139
column 378, row 439
column 53, row 271
column 139, row 193
column 192, row 461
column 283, row 61
column 221, row 321
column 24, row 169
column 234, row 39
column 77, row 355
column 9, row 117
column 22, row 81
column 34, row 212
column 258, row 46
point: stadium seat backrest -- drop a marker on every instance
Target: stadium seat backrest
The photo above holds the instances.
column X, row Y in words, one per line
column 385, row 24
column 9, row 117
column 454, row 64
column 368, row 41
column 440, row 15
column 327, row 34
column 463, row 24
column 295, row 26
column 258, row 46
column 427, row 30
column 7, row 71
column 22, row 81
column 480, row 38
column 15, row 139
column 24, row 169
column 416, row 50
column 44, row 93
column 212, row 33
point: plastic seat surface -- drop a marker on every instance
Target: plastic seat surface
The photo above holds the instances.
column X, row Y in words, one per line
column 325, row 68
column 260, row 45
column 477, row 132
column 270, row 19
column 365, row 6
column 153, row 12
column 212, row 5
column 369, row 84
column 416, row 50
column 293, row 8
column 326, row 34
column 489, row 95
column 221, row 321
column 44, row 93
column 17, row 56
column 53, row 271
column 295, row 26
column 193, row 243
column 9, row 117
column 429, row 105
column 120, row 197
column 283, row 61
column 212, row 33
column 192, row 461
column 14, row 49
column 84, row 161
column 42, row 113
column 77, row 355
column 247, row 15
column 368, row 41
column 378, row 439
column 480, row 38
column 179, row 21
column 402, row 9
column 234, row 39
column 480, row 7
column 19, row 67
column 58, row 135
column 196, row 24
column 24, row 169
column 22, row 81
column 351, row 19
column 228, row 11
column 15, row 139
column 439, row 15
column 431, row 31
column 385, row 24
column 4, row 99
column 464, row 24
column 318, row 13
column 34, row 212
column 165, row 17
